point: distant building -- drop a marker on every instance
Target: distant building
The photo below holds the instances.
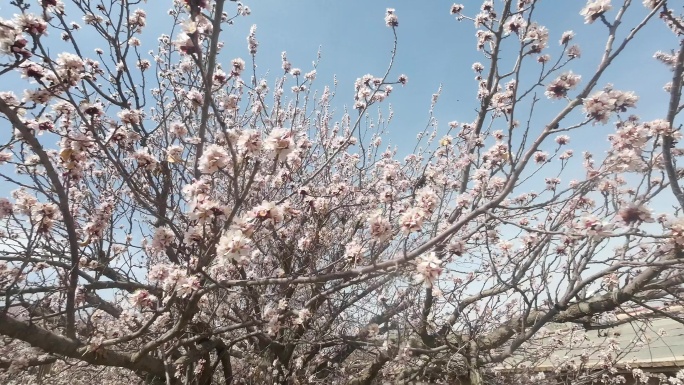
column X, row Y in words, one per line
column 638, row 349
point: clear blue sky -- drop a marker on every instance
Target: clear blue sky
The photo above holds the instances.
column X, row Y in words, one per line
column 436, row 49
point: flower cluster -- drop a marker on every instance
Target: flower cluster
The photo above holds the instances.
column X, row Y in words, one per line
column 163, row 237
column 44, row 216
column 591, row 226
column 380, row 227
column 558, row 89
column 279, row 142
column 143, row 299
column 213, row 159
column 538, row 37
column 391, row 19
column 173, row 279
column 370, row 89
column 12, row 40
column 515, row 24
column 594, row 9
column 602, row 104
column 635, row 213
column 202, row 208
column 137, row 20
column 269, row 212
column 99, row 220
column 677, row 231
column 233, row 245
column 428, row 269
column 456, row 9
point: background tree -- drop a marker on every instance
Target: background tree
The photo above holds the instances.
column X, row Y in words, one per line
column 175, row 218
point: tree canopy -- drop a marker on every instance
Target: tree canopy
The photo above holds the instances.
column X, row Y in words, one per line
column 180, row 217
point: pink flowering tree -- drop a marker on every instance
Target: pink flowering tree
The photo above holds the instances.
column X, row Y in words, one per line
column 172, row 218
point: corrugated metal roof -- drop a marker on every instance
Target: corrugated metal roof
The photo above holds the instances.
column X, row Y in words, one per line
column 653, row 343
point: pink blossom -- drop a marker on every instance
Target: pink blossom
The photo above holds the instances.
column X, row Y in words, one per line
column 280, row 143
column 559, row 88
column 428, row 269
column 567, row 37
column 137, row 20
column 380, row 227
column 130, row 116
column 412, row 220
column 213, row 159
column 6, row 208
column 238, row 65
column 635, row 212
column 456, row 9
column 163, row 237
column 391, row 19
column 427, row 199
column 515, row 24
column 206, row 211
column 676, row 228
column 158, row 273
column 250, row 141
column 145, row 159
column 538, row 36
column 456, row 247
column 602, row 104
column 574, row 52
column 562, row 139
column 70, row 62
column 233, row 245
column 591, row 226
column 178, row 129
column 540, row 157
column 594, row 9
column 252, row 43
column 269, row 212
column 185, row 286
column 142, row 299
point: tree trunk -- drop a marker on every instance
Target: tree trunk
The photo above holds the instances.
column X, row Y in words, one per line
column 475, row 376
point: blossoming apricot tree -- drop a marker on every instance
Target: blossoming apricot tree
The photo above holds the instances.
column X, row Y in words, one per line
column 175, row 219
